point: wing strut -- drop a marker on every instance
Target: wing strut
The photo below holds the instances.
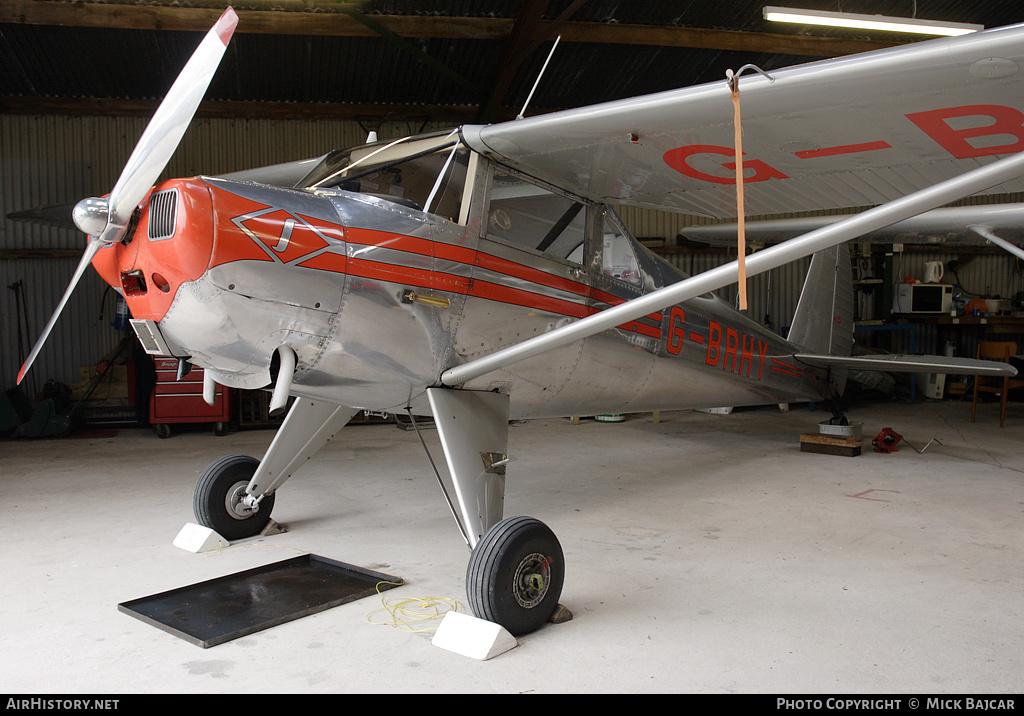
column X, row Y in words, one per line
column 873, row 219
column 1002, row 243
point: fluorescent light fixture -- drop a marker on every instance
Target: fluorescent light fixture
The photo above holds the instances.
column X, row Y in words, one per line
column 868, row 22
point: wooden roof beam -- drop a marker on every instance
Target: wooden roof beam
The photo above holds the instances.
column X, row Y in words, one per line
column 339, row 24
column 115, row 107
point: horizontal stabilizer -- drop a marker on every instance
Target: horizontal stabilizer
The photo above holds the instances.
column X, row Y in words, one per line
column 910, row 364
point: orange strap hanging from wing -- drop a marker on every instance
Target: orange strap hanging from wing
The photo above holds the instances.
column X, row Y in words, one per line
column 741, row 238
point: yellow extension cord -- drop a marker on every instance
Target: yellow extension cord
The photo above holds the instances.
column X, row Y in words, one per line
column 408, row 613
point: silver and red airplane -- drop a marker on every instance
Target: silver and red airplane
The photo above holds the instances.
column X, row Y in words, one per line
column 481, row 274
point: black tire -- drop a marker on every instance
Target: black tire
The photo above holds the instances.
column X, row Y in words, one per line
column 220, row 485
column 515, row 575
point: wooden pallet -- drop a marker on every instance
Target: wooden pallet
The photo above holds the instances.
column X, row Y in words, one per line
column 829, row 445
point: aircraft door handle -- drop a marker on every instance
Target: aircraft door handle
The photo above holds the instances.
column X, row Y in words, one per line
column 435, row 301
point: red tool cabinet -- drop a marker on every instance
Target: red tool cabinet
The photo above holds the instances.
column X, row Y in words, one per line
column 181, row 401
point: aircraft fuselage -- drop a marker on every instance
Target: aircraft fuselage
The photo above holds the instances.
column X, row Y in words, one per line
column 377, row 297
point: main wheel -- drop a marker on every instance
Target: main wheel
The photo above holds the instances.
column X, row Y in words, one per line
column 217, row 500
column 515, row 575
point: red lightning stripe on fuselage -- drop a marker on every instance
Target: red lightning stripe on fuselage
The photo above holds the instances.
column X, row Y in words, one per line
column 481, row 288
column 423, row 278
column 782, row 367
column 726, row 348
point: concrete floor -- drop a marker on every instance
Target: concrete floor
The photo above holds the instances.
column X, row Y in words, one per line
column 705, row 553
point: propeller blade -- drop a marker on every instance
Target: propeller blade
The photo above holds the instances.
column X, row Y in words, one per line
column 90, row 251
column 105, row 219
column 165, row 130
column 58, row 215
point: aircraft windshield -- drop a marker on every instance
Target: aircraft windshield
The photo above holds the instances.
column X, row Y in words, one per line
column 423, row 173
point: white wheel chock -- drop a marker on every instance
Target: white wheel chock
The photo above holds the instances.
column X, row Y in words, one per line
column 196, row 538
column 469, row 636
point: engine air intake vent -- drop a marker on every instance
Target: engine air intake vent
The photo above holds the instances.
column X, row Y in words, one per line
column 163, row 206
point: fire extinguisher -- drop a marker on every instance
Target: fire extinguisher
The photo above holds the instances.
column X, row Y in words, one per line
column 121, row 314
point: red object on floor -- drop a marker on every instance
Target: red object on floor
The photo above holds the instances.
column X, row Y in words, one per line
column 886, row 440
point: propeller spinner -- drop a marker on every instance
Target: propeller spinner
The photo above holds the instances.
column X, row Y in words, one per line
column 105, row 219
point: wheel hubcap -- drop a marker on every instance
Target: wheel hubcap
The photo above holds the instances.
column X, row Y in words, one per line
column 532, row 578
column 234, row 501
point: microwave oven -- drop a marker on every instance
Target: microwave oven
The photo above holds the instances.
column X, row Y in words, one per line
column 923, row 298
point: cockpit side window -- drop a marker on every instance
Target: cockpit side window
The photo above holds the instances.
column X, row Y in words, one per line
column 532, row 216
column 617, row 256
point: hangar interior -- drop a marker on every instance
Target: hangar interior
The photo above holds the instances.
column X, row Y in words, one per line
column 705, row 552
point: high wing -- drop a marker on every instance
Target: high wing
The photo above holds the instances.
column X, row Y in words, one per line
column 849, row 132
column 948, row 226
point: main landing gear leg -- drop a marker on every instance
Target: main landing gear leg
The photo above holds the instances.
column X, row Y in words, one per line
column 516, row 569
column 235, row 494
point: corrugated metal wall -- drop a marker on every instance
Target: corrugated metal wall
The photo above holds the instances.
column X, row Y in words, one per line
column 995, row 275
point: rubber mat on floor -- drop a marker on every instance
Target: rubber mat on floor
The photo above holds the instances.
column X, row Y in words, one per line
column 226, row 608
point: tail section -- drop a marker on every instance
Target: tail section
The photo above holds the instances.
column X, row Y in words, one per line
column 823, row 322
column 823, row 328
